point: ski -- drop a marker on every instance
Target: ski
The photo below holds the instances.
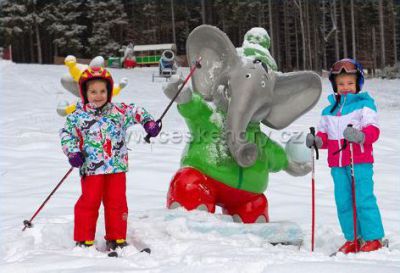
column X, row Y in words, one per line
column 115, row 254
column 137, row 243
column 297, row 244
column 385, row 243
column 140, row 245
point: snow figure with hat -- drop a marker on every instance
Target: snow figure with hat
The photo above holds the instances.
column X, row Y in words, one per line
column 94, row 140
column 256, row 45
column 229, row 158
column 70, row 82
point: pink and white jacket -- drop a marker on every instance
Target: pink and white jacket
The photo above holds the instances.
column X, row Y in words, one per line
column 358, row 110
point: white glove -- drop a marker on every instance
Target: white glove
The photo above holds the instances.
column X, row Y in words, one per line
column 298, row 169
column 62, row 105
column 172, row 88
column 70, row 59
column 123, row 82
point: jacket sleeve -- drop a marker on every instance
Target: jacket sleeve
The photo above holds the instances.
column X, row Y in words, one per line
column 371, row 134
column 135, row 114
column 323, row 132
column 196, row 110
column 279, row 158
column 69, row 137
column 370, row 125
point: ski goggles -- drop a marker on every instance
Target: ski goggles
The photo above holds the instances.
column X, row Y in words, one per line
column 345, row 65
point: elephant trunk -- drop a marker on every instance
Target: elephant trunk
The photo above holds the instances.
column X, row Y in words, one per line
column 239, row 116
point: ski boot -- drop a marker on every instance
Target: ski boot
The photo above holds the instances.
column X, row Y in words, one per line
column 114, row 244
column 85, row 244
column 350, row 247
column 371, row 245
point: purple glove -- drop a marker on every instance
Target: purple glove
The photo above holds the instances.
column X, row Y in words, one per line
column 152, row 128
column 76, row 159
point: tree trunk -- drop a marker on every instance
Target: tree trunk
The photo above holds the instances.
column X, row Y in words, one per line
column 324, row 64
column 334, row 21
column 298, row 3
column 38, row 43
column 316, row 49
column 374, row 65
column 271, row 29
column 31, row 47
column 297, row 44
column 203, row 11
column 382, row 33
column 307, row 12
column 288, row 61
column 394, row 36
column 173, row 22
column 344, row 40
column 353, row 30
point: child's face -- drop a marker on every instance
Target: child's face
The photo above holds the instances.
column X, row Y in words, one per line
column 346, row 83
column 97, row 92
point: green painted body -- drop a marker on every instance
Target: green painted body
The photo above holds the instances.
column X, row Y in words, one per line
column 208, row 151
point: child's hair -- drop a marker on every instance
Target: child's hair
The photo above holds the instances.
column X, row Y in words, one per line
column 95, row 73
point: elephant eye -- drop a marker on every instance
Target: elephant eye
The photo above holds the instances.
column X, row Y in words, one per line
column 263, row 84
column 248, row 75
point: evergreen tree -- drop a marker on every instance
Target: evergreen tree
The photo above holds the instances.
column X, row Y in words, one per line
column 18, row 22
column 109, row 22
column 60, row 21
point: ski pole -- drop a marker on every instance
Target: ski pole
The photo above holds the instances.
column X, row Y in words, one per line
column 314, row 148
column 353, row 193
column 159, row 121
column 28, row 223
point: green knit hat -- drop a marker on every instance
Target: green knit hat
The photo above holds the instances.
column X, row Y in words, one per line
column 256, row 44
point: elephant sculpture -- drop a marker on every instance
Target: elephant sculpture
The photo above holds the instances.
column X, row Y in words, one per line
column 228, row 160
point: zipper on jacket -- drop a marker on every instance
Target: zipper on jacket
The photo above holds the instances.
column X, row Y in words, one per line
column 339, row 145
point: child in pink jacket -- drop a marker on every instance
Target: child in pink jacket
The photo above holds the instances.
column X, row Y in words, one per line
column 349, row 106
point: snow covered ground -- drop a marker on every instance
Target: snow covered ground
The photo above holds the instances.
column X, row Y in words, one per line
column 32, row 164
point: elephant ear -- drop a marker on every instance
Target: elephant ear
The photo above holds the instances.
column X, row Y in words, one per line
column 294, row 94
column 72, row 86
column 217, row 56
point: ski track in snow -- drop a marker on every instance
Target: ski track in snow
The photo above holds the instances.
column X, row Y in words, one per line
column 33, row 163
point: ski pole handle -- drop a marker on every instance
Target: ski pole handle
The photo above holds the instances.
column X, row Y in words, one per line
column 192, row 69
column 148, row 136
column 312, row 131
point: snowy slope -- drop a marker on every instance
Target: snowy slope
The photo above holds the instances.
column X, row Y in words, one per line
column 32, row 164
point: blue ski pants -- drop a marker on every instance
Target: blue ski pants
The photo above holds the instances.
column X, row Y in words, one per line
column 369, row 222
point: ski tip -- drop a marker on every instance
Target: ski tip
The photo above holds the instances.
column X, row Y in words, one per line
column 112, row 254
column 333, row 254
column 385, row 243
column 147, row 250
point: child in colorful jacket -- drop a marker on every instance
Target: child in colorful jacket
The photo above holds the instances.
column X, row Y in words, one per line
column 348, row 106
column 94, row 141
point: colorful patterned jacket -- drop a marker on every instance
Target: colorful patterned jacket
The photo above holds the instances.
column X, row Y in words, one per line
column 100, row 135
column 358, row 110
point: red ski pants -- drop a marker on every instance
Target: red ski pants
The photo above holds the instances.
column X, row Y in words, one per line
column 191, row 188
column 111, row 189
